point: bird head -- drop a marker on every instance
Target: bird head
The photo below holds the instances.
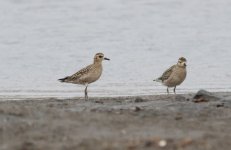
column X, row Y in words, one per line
column 99, row 57
column 182, row 62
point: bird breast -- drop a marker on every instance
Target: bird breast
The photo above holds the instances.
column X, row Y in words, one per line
column 177, row 77
column 93, row 74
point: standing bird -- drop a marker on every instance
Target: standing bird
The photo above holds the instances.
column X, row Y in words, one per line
column 88, row 74
column 175, row 75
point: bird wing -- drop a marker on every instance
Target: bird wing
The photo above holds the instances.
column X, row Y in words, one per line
column 80, row 73
column 77, row 75
column 167, row 73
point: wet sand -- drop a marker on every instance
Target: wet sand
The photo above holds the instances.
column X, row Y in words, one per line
column 144, row 122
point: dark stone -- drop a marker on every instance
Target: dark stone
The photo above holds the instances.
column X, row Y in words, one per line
column 178, row 118
column 99, row 102
column 148, row 143
column 137, row 108
column 138, row 100
column 27, row 146
column 204, row 96
column 220, row 105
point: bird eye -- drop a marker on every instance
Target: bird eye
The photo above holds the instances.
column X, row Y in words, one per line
column 100, row 56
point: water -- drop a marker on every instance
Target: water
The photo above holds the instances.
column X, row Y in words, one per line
column 41, row 41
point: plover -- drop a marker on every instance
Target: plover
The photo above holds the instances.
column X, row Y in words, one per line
column 88, row 74
column 175, row 75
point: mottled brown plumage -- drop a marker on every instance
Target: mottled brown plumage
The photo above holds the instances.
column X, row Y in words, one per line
column 175, row 75
column 166, row 74
column 88, row 74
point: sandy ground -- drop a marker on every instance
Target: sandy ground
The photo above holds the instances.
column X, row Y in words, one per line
column 166, row 122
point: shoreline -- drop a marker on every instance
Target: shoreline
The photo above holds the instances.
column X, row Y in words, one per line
column 129, row 122
column 73, row 94
column 18, row 97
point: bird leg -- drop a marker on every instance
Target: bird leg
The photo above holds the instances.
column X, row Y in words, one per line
column 86, row 95
column 174, row 89
column 167, row 90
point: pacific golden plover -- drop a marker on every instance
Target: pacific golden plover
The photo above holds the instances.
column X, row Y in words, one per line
column 175, row 75
column 88, row 74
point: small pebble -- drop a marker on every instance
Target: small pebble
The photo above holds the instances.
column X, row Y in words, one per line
column 162, row 143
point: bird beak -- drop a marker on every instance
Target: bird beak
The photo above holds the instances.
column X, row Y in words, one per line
column 185, row 64
column 105, row 58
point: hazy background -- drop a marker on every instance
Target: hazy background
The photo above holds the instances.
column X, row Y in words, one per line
column 43, row 40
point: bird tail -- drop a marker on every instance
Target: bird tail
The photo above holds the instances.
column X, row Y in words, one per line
column 63, row 79
column 157, row 80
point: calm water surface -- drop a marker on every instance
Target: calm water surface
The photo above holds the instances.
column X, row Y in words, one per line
column 41, row 41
